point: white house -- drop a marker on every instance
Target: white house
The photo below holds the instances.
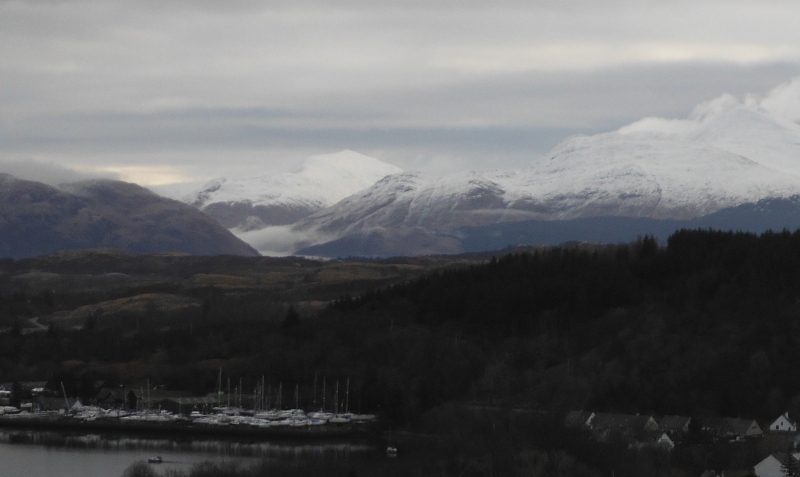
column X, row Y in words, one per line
column 5, row 394
column 783, row 424
column 775, row 465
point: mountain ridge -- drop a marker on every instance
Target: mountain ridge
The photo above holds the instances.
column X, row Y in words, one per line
column 38, row 219
column 724, row 154
column 257, row 202
column 764, row 215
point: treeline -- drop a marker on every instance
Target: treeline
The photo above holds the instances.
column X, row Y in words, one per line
column 707, row 325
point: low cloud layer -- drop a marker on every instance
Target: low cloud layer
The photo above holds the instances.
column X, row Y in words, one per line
column 277, row 241
column 782, row 103
column 49, row 172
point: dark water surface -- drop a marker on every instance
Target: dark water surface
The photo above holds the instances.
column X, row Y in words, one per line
column 36, row 453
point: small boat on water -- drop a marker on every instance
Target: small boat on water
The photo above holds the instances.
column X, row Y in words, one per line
column 155, row 460
column 391, row 450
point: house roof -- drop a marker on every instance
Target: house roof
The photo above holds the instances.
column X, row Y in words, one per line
column 55, row 402
column 741, row 427
column 578, row 418
column 785, row 458
column 604, row 421
column 731, row 426
column 158, row 394
column 189, row 401
column 658, row 437
column 674, row 423
column 120, row 394
column 787, row 418
column 117, row 394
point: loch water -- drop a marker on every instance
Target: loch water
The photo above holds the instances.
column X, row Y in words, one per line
column 26, row 453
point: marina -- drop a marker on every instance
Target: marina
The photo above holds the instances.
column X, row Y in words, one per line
column 121, row 410
column 287, row 424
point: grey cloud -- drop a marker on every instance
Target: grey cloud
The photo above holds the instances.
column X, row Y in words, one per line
column 47, row 172
column 421, row 84
column 513, row 112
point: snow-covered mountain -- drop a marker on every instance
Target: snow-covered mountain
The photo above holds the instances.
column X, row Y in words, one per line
column 726, row 153
column 321, row 181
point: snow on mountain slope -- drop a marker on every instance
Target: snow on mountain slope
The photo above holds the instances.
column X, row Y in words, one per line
column 635, row 176
column 411, row 200
column 320, row 182
column 748, row 128
column 727, row 152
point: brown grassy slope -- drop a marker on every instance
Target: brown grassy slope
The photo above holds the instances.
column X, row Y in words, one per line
column 143, row 304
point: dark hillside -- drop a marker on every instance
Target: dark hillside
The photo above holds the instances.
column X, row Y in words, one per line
column 709, row 324
column 758, row 217
column 481, row 357
column 36, row 219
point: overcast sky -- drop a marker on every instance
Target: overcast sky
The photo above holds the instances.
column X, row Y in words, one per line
column 157, row 92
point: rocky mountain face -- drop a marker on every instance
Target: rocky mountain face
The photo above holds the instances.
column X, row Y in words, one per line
column 37, row 219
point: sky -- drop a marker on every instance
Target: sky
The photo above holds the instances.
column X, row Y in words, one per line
column 180, row 92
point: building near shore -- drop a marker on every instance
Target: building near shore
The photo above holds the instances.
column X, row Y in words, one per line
column 185, row 405
column 117, row 398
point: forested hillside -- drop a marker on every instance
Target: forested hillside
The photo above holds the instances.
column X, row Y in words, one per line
column 706, row 326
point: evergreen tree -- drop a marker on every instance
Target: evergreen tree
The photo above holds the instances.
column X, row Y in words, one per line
column 789, row 465
column 292, row 318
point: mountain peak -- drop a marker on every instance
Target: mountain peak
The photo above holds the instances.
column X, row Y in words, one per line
column 319, row 182
column 725, row 153
column 344, row 159
column 359, row 169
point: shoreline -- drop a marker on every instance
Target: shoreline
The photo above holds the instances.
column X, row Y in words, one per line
column 188, row 429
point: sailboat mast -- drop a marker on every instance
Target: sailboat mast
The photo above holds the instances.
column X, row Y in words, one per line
column 219, row 384
column 66, row 401
column 336, row 399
